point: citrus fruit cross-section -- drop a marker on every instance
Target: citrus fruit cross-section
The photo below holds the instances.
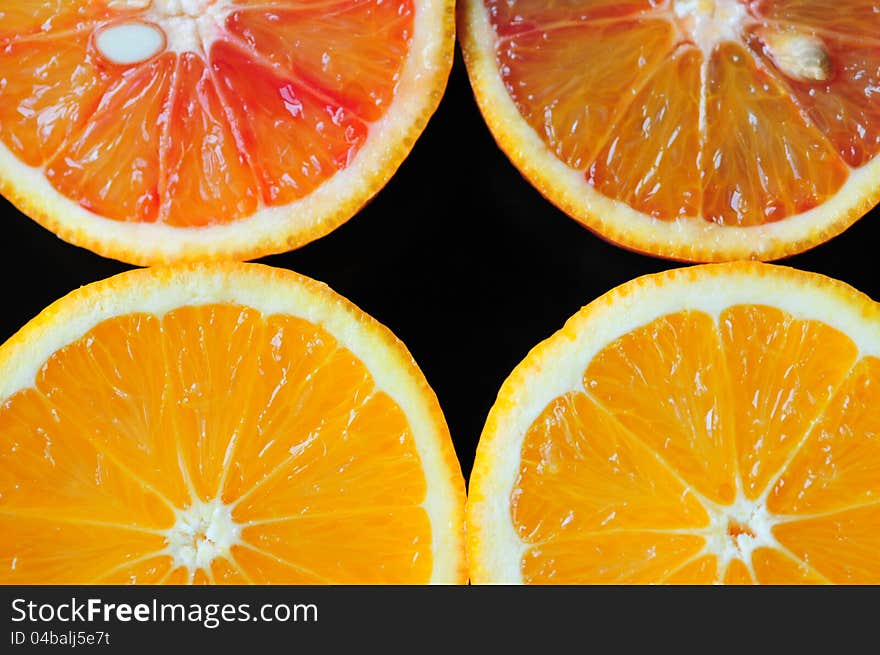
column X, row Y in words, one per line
column 155, row 131
column 221, row 423
column 701, row 130
column 715, row 424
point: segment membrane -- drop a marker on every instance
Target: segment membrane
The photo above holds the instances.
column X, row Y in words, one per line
column 774, row 567
column 303, row 402
column 702, row 571
column 844, row 107
column 651, row 160
column 144, row 415
column 265, row 568
column 839, row 463
column 208, row 180
column 842, row 547
column 112, row 166
column 296, row 139
column 773, row 145
column 569, row 83
column 48, row 90
column 211, row 367
column 363, row 465
column 738, row 573
column 582, row 473
column 677, row 422
column 783, row 372
column 761, row 161
column 39, row 443
column 35, row 18
column 353, row 51
column 668, row 384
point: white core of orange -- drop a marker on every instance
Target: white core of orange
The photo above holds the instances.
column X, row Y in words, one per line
column 203, row 532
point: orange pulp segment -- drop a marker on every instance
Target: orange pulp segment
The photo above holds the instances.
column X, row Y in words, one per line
column 218, row 442
column 727, row 440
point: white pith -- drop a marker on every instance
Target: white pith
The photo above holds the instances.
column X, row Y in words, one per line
column 691, row 238
column 722, row 544
column 708, row 23
column 270, row 292
column 271, row 228
column 203, row 532
column 191, row 26
column 556, row 367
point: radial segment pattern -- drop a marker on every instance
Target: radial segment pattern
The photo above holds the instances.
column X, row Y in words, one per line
column 158, row 131
column 700, row 112
column 214, row 444
column 742, row 448
column 236, row 105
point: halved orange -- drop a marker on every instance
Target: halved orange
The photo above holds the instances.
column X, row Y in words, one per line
column 702, row 425
column 164, row 130
column 223, row 423
column 702, row 130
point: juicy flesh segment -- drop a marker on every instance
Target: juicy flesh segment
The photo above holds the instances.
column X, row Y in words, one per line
column 763, row 162
column 649, row 146
column 854, row 19
column 642, row 475
column 279, row 98
column 146, row 416
column 727, row 123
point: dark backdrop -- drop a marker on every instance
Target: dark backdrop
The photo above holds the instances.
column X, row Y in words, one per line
column 458, row 255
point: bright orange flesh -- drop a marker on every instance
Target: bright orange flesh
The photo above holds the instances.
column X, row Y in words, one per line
column 689, row 414
column 678, row 122
column 144, row 415
column 279, row 100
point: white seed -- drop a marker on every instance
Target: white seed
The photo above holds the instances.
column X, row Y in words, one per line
column 800, row 56
column 130, row 43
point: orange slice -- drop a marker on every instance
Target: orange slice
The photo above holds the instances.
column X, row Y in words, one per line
column 714, row 424
column 223, row 423
column 164, row 130
column 702, row 130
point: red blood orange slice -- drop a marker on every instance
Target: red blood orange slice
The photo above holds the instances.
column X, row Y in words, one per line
column 157, row 130
column 700, row 130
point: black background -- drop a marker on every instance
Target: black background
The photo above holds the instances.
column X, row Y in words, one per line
column 459, row 255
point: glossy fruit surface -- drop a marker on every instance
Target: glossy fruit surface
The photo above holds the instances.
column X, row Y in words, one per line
column 166, row 130
column 700, row 130
column 222, row 423
column 702, row 425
